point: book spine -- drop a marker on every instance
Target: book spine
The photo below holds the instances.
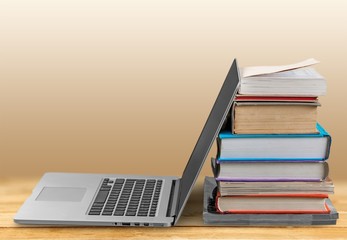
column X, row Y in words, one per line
column 327, row 152
column 233, row 118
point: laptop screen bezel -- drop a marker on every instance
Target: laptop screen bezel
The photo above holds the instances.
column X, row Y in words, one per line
column 208, row 135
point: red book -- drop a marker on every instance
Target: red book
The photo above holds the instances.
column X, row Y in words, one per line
column 244, row 98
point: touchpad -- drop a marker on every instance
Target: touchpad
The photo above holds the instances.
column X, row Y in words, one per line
column 64, row 194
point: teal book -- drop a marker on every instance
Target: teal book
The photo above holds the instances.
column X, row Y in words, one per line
column 274, row 147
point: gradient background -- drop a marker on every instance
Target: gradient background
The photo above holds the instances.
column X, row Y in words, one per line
column 126, row 86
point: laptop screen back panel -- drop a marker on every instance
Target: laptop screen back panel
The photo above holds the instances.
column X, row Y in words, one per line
column 209, row 133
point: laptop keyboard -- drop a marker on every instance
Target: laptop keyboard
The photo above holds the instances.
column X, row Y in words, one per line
column 127, row 197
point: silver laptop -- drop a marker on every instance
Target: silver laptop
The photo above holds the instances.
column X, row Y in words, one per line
column 72, row 199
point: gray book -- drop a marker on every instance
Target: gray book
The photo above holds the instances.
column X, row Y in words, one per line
column 211, row 217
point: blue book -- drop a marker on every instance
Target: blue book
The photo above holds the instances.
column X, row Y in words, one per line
column 274, row 147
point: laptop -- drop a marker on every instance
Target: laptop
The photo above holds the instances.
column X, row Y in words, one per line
column 75, row 199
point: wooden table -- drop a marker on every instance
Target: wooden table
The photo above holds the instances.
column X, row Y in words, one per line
column 14, row 191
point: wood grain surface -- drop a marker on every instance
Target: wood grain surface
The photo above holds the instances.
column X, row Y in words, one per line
column 13, row 192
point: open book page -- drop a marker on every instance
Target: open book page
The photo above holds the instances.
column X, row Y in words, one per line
column 260, row 70
column 298, row 73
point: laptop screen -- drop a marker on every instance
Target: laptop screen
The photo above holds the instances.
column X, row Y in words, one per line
column 209, row 133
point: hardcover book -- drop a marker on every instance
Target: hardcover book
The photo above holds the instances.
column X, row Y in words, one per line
column 230, row 188
column 276, row 203
column 262, row 171
column 272, row 147
column 268, row 117
column 214, row 218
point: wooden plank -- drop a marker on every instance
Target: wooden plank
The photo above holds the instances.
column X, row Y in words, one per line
column 175, row 233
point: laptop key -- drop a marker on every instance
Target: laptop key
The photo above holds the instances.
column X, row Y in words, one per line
column 130, row 214
column 94, row 213
column 118, row 213
column 98, row 205
column 107, row 213
column 101, row 197
column 97, row 208
column 120, row 180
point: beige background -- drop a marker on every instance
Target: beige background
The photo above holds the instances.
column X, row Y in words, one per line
column 126, row 86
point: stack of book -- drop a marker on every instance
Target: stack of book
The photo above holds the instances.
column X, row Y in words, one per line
column 272, row 154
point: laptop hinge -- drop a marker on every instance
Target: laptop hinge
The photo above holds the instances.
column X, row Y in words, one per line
column 172, row 209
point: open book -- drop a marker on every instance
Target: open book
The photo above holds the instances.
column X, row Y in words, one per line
column 297, row 79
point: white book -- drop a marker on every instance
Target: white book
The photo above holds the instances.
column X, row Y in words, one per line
column 229, row 188
column 289, row 80
column 271, row 171
column 292, row 204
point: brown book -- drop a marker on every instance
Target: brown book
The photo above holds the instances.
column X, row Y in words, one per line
column 274, row 117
